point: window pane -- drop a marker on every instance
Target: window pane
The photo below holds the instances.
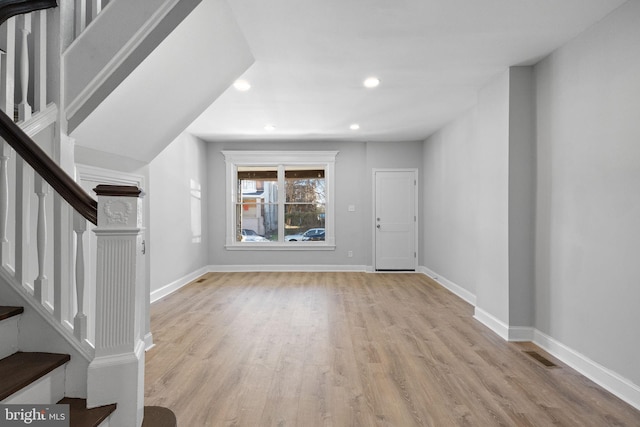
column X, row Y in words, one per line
column 305, row 186
column 257, row 183
column 257, row 209
column 256, row 222
column 302, row 217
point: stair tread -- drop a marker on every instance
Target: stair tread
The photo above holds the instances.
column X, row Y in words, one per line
column 8, row 311
column 81, row 416
column 21, row 369
column 158, row 416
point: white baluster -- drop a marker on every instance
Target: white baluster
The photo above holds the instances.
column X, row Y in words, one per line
column 81, row 16
column 96, row 8
column 39, row 60
column 63, row 290
column 24, row 109
column 80, row 319
column 41, row 283
column 22, row 213
column 8, row 66
column 5, row 155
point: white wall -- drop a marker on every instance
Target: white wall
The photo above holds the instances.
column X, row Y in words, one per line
column 451, row 196
column 353, row 167
column 466, row 200
column 175, row 251
column 492, row 211
column 522, row 148
column 584, row 219
column 588, row 193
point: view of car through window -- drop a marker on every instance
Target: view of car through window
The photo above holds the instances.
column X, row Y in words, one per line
column 313, row 234
column 251, row 236
column 309, row 235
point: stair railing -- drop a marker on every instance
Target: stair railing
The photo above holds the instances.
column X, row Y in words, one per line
column 35, row 231
column 85, row 12
column 43, row 232
column 23, row 47
column 23, row 40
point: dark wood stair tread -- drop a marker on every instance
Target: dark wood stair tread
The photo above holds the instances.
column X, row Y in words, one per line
column 158, row 416
column 7, row 311
column 81, row 416
column 21, row 369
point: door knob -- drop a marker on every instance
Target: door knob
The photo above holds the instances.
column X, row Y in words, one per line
column 378, row 226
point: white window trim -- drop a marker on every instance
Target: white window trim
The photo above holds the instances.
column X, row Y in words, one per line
column 233, row 159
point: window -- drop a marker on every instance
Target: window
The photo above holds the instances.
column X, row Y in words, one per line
column 280, row 199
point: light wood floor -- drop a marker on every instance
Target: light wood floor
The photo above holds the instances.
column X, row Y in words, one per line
column 352, row 349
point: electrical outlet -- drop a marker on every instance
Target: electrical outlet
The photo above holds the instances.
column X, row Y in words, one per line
column 350, row 254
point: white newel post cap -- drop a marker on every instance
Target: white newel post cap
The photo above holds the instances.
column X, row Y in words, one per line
column 119, row 206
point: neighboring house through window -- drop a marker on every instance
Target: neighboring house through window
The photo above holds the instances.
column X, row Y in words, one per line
column 280, row 199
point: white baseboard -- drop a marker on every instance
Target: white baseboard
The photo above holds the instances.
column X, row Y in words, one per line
column 177, row 284
column 148, row 342
column 506, row 332
column 283, row 268
column 521, row 333
column 456, row 289
column 607, row 379
column 492, row 322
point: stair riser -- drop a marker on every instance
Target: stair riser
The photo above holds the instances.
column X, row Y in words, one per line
column 46, row 390
column 8, row 336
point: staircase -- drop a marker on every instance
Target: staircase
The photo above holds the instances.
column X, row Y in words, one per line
column 66, row 336
column 33, row 378
column 72, row 334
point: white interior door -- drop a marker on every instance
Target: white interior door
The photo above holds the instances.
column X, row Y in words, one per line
column 395, row 219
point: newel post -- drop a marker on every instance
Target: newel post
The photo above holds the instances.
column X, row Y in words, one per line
column 116, row 375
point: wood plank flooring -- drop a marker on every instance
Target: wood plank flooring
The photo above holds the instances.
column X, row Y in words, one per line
column 352, row 349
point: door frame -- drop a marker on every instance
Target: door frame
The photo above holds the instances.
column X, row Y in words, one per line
column 374, row 171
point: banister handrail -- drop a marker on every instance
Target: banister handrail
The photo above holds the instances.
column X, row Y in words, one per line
column 27, row 148
column 48, row 169
column 9, row 8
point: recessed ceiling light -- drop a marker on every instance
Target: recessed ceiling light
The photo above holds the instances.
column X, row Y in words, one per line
column 354, row 126
column 269, row 127
column 371, row 82
column 242, row 85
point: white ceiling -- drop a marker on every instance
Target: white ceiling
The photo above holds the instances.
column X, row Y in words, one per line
column 432, row 57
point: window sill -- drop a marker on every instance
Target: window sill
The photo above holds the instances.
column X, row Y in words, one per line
column 279, row 247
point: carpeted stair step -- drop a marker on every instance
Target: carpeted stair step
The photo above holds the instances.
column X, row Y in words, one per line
column 21, row 369
column 83, row 417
